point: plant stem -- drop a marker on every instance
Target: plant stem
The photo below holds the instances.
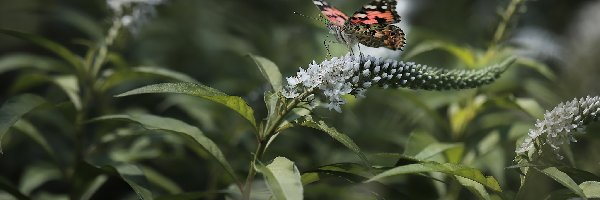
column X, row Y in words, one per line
column 260, row 150
column 507, row 17
column 270, row 131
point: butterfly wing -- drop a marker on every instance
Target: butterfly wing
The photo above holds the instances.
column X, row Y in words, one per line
column 335, row 16
column 379, row 35
column 377, row 12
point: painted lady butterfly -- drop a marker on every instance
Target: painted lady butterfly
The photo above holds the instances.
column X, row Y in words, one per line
column 370, row 26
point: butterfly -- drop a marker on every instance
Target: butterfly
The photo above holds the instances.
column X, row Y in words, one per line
column 370, row 26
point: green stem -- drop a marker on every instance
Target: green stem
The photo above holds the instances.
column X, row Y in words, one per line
column 270, row 131
column 260, row 150
column 507, row 17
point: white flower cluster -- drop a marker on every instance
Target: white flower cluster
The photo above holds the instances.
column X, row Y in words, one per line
column 330, row 77
column 141, row 11
column 559, row 125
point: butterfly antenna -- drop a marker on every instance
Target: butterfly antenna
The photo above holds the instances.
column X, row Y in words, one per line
column 327, row 48
column 309, row 17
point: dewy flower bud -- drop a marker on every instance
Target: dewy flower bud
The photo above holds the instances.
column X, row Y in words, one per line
column 561, row 123
column 353, row 75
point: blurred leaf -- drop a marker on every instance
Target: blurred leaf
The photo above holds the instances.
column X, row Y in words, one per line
column 14, row 108
column 283, row 179
column 80, row 21
column 466, row 55
column 19, row 61
column 434, row 149
column 446, row 168
column 591, row 189
column 134, row 177
column 180, row 128
column 461, row 117
column 538, row 66
column 7, row 187
column 563, row 179
column 36, row 175
column 270, row 71
column 161, row 181
column 531, row 106
column 475, row 187
column 349, row 171
column 28, row 129
column 93, row 187
column 340, row 137
column 54, row 47
column 69, row 84
column 185, row 196
column 417, row 142
column 119, row 77
column 235, row 103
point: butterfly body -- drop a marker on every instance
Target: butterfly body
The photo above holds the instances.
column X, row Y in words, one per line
column 370, row 26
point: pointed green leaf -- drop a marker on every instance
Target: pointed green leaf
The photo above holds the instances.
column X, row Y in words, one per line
column 235, row 103
column 162, row 181
column 434, row 149
column 340, row 137
column 93, row 187
column 54, row 47
column 13, row 109
column 28, row 129
column 350, row 171
column 563, row 179
column 475, row 187
column 19, row 61
column 69, row 84
column 446, row 168
column 283, row 179
column 270, row 71
column 8, row 187
column 591, row 189
column 133, row 176
column 180, row 128
column 37, row 175
column 141, row 73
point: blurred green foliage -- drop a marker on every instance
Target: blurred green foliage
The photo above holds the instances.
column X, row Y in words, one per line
column 209, row 41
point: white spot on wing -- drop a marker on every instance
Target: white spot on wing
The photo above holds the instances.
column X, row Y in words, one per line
column 318, row 3
column 370, row 7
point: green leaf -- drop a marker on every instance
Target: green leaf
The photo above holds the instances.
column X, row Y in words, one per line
column 186, row 196
column 7, row 187
column 69, row 84
column 531, row 106
column 417, row 142
column 340, row 137
column 466, row 55
column 145, row 72
column 235, row 103
column 162, row 181
column 591, row 189
column 28, row 129
column 36, row 175
column 563, row 179
column 134, row 177
column 446, row 168
column 19, row 61
column 180, row 128
column 350, row 171
column 538, row 66
column 54, row 47
column 94, row 185
column 270, row 71
column 13, row 109
column 283, row 179
column 475, row 187
column 434, row 149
